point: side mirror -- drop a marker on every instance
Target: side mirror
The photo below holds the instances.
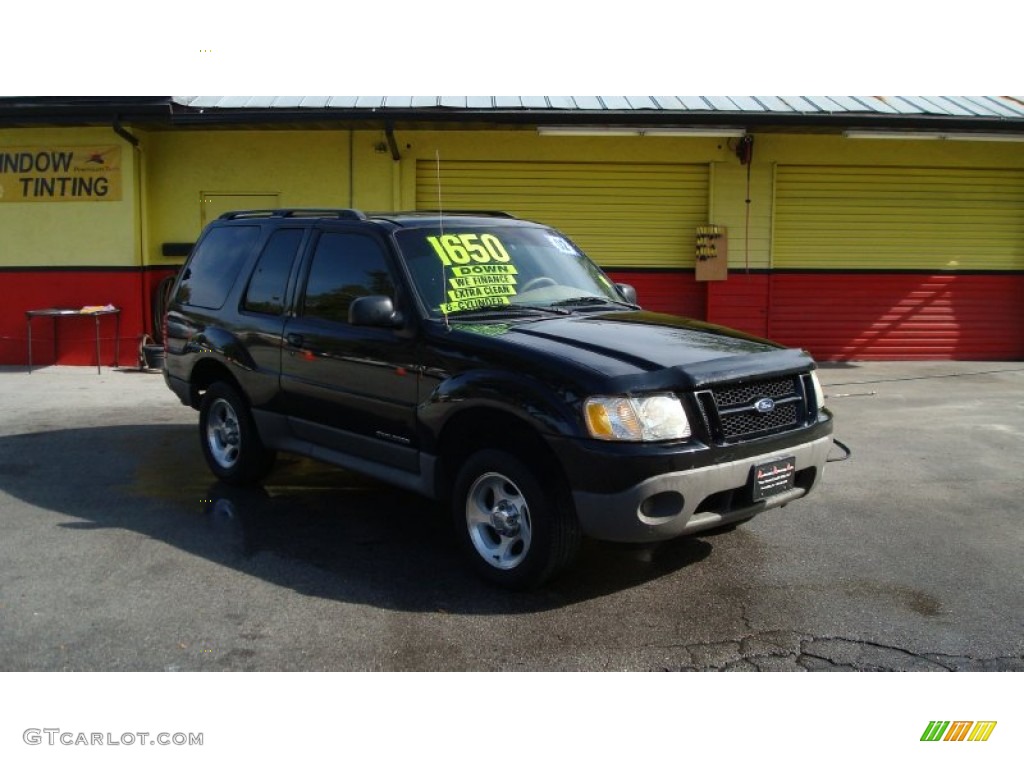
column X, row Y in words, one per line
column 374, row 311
column 628, row 292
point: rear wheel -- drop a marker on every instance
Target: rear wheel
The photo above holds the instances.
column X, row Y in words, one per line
column 515, row 530
column 231, row 444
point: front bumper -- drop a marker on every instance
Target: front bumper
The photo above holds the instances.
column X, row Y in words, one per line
column 678, row 503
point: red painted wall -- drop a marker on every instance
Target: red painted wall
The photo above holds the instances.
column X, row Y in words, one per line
column 886, row 316
column 676, row 293
column 741, row 302
column 858, row 316
column 23, row 289
column 862, row 315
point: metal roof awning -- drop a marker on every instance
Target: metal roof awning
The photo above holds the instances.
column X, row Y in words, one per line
column 750, row 112
column 943, row 106
column 792, row 113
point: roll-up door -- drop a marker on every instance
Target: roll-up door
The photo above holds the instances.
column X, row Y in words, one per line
column 622, row 215
column 899, row 263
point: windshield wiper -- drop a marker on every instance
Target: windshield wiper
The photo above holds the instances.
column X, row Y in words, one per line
column 505, row 309
column 580, row 301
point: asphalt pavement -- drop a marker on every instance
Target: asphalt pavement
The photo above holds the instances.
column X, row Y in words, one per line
column 119, row 551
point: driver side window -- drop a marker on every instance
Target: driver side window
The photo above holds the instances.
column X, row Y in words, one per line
column 345, row 266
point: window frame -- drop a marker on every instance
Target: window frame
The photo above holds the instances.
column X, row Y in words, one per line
column 232, row 283
column 313, row 242
column 290, row 282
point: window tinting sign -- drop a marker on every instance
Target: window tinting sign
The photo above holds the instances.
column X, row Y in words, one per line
column 60, row 174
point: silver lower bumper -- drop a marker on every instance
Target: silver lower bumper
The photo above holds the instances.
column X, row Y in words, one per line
column 665, row 506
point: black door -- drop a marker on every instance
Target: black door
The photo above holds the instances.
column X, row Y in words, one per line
column 350, row 388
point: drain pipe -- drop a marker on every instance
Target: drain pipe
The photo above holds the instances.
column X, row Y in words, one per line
column 389, row 134
column 396, row 168
column 121, row 131
column 140, row 232
column 351, row 169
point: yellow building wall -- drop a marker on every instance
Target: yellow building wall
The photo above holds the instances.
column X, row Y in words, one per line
column 750, row 240
column 772, row 150
column 93, row 233
column 527, row 145
column 672, row 162
column 749, row 245
column 312, row 168
column 833, row 150
column 342, row 168
column 303, row 168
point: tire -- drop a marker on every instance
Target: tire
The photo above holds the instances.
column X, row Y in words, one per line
column 231, row 445
column 516, row 531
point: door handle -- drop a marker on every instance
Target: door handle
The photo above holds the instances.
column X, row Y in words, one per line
column 294, row 339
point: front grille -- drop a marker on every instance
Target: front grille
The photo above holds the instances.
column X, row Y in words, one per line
column 731, row 395
column 752, row 423
column 732, row 415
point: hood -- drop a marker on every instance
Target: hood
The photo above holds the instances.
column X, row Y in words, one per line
column 645, row 349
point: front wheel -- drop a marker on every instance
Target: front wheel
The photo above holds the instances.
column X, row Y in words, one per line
column 516, row 531
column 231, row 444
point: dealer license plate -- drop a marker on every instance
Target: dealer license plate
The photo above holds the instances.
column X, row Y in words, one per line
column 773, row 477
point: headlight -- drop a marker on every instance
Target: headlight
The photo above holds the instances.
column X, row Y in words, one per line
column 819, row 394
column 651, row 417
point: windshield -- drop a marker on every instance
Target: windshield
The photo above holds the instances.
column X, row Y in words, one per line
column 471, row 268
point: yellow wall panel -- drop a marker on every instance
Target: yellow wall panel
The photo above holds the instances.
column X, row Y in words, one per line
column 845, row 217
column 749, row 245
column 303, row 168
column 342, row 168
column 622, row 215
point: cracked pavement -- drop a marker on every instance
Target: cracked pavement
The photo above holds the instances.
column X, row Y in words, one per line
column 780, row 651
column 119, row 552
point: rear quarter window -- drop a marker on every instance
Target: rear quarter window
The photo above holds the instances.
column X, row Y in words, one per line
column 269, row 280
column 214, row 267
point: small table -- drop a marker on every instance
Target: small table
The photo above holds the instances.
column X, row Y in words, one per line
column 96, row 314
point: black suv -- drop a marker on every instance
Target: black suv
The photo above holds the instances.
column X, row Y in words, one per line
column 486, row 362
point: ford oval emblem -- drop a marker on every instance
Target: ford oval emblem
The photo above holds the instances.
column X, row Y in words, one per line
column 765, row 405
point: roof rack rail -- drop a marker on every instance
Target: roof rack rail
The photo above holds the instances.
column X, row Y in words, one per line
column 457, row 212
column 352, row 214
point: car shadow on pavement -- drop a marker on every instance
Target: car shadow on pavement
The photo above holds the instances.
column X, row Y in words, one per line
column 312, row 528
